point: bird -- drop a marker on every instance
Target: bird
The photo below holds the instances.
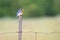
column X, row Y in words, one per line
column 20, row 12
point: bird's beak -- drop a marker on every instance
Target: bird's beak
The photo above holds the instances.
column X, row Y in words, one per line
column 22, row 10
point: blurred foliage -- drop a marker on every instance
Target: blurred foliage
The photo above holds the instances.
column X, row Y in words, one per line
column 33, row 8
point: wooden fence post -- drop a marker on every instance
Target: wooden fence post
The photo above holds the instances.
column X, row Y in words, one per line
column 20, row 27
column 35, row 35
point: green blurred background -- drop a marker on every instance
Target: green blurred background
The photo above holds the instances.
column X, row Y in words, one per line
column 39, row 16
column 32, row 8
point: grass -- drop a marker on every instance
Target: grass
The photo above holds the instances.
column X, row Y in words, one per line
column 45, row 25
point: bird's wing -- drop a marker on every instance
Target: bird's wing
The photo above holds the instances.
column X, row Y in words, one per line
column 18, row 12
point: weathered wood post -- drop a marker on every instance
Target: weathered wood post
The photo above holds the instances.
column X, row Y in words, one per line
column 20, row 27
column 19, row 14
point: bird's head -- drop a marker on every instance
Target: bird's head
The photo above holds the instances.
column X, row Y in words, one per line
column 20, row 11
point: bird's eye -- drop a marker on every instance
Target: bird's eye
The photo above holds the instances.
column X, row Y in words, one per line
column 21, row 8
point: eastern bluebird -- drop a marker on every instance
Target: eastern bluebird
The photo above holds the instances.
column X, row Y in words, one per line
column 19, row 12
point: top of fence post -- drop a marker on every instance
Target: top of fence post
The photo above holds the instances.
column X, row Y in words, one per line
column 19, row 15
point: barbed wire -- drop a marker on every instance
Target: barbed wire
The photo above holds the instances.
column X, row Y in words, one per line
column 35, row 33
column 30, row 32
